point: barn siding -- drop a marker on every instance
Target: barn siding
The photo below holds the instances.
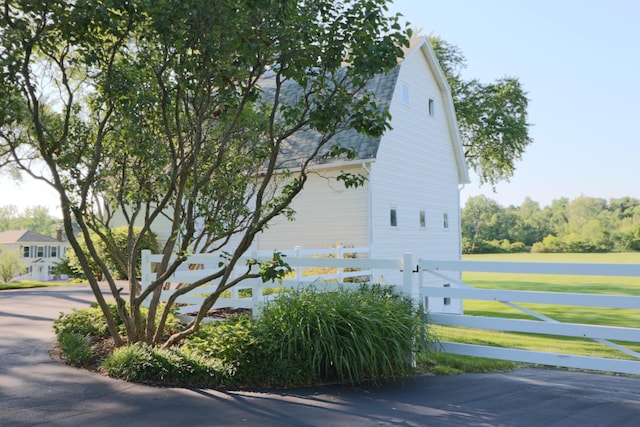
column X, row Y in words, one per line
column 416, row 170
column 326, row 213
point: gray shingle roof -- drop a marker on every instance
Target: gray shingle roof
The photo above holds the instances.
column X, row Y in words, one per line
column 300, row 145
column 26, row 236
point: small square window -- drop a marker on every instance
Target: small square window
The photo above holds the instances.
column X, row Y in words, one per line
column 432, row 107
column 393, row 217
column 423, row 219
column 445, row 221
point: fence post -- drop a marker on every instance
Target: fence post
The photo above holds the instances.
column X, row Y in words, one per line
column 410, row 287
column 297, row 250
column 340, row 255
column 145, row 270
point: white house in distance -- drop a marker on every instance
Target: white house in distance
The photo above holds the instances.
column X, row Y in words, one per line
column 411, row 201
column 37, row 251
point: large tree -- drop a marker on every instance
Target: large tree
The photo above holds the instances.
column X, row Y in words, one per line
column 184, row 111
column 492, row 117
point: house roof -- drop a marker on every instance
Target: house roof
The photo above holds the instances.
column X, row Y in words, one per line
column 300, row 145
column 25, row 236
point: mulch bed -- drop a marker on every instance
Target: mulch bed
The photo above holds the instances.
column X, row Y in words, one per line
column 223, row 313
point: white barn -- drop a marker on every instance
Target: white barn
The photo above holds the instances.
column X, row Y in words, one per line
column 411, row 201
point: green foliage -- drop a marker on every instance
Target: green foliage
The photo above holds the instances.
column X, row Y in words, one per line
column 10, row 265
column 75, row 348
column 492, row 117
column 110, row 249
column 581, row 225
column 306, row 337
column 84, row 322
column 346, row 336
column 181, row 113
column 91, row 321
column 274, row 269
column 454, row 364
column 167, row 366
column 36, row 218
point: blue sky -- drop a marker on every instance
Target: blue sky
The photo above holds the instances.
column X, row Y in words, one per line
column 579, row 61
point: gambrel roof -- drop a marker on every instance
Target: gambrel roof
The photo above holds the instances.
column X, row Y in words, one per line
column 299, row 145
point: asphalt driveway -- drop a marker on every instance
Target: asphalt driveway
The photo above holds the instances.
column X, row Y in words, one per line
column 38, row 391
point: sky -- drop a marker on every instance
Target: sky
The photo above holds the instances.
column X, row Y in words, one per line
column 579, row 62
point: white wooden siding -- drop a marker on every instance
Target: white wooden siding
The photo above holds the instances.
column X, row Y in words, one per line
column 416, row 170
column 326, row 213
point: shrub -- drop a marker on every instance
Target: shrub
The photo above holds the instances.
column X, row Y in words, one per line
column 302, row 338
column 119, row 239
column 75, row 348
column 143, row 363
column 87, row 321
column 346, row 336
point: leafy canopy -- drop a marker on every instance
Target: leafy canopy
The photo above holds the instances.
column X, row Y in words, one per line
column 183, row 115
column 492, row 117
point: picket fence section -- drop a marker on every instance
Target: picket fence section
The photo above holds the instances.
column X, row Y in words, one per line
column 425, row 290
column 299, row 260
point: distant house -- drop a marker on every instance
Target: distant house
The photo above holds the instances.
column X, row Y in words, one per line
column 37, row 251
column 411, row 201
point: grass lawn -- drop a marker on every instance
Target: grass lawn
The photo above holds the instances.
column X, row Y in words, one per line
column 550, row 283
column 28, row 284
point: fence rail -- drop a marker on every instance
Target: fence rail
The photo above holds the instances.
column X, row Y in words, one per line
column 300, row 260
column 545, row 324
column 437, row 283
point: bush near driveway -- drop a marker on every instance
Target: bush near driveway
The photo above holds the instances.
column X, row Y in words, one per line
column 306, row 337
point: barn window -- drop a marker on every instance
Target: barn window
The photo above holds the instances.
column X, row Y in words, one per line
column 423, row 219
column 447, row 300
column 393, row 217
column 445, row 221
column 432, row 107
column 405, row 94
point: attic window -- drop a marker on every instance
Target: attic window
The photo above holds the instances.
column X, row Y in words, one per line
column 432, row 107
column 405, row 94
column 393, row 217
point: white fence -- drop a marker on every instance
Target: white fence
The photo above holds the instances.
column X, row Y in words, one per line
column 439, row 287
column 358, row 266
column 544, row 325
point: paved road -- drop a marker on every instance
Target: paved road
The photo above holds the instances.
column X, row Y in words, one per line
column 36, row 390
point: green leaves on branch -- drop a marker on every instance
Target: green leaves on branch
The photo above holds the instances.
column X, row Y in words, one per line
column 183, row 116
column 492, row 117
column 274, row 269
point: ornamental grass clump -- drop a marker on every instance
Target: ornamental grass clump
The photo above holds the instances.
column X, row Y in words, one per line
column 345, row 336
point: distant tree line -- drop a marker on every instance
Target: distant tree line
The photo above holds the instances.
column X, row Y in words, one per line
column 36, row 218
column 584, row 224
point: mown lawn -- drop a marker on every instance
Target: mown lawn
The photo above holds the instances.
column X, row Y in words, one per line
column 562, row 313
column 28, row 284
